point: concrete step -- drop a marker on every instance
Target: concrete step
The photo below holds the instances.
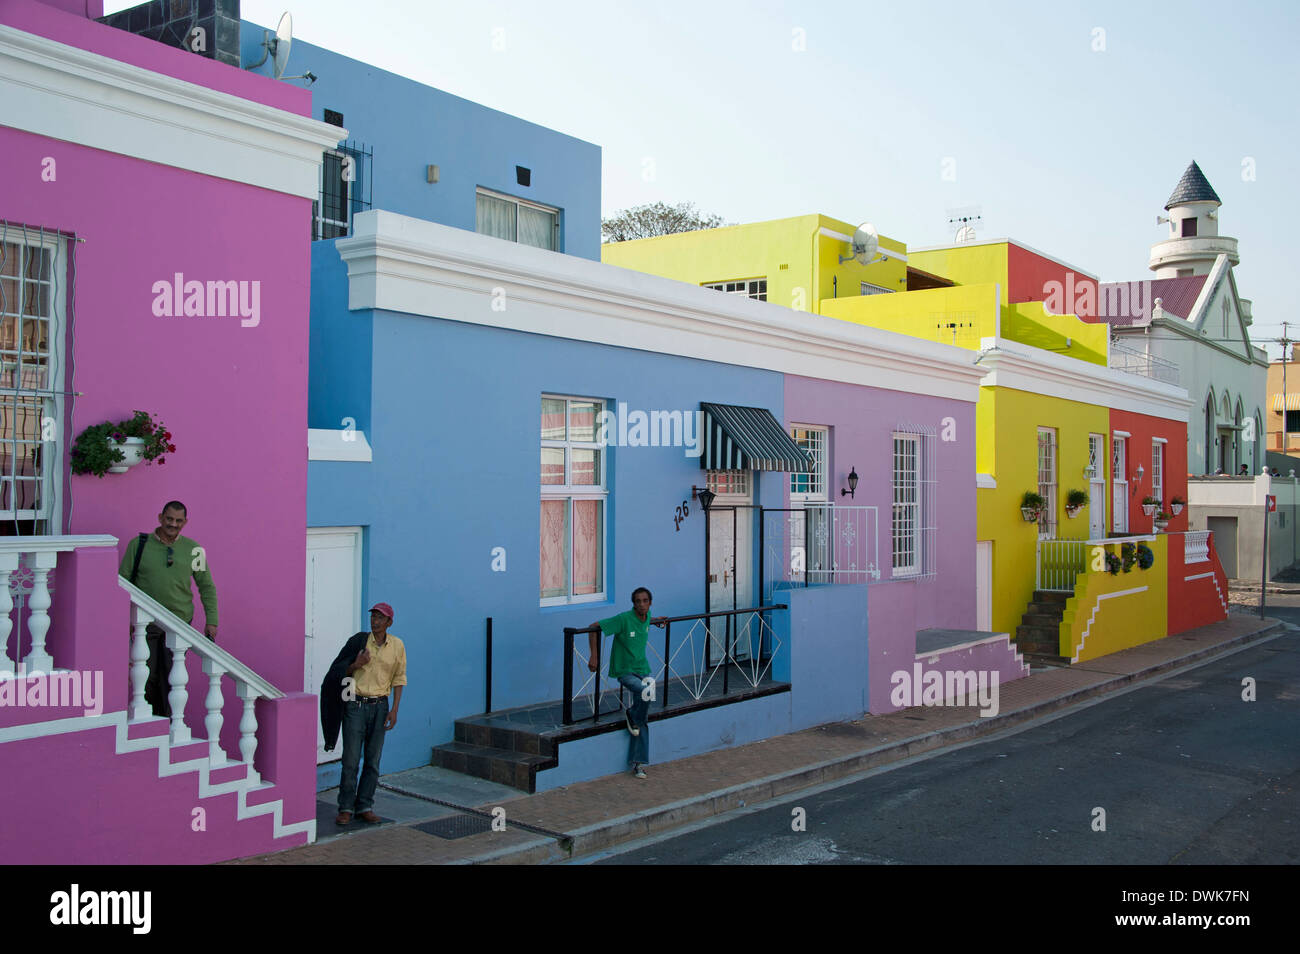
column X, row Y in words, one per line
column 1051, row 596
column 1042, row 620
column 506, row 767
column 1046, row 660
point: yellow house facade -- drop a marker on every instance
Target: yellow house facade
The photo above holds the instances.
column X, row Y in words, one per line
column 793, row 262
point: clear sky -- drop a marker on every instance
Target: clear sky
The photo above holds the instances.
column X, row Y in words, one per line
column 1067, row 123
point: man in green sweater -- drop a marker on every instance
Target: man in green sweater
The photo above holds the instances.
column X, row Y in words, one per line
column 627, row 664
column 167, row 564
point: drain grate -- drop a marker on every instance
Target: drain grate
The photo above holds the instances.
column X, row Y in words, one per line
column 456, row 826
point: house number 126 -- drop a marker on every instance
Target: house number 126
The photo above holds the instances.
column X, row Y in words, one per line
column 683, row 512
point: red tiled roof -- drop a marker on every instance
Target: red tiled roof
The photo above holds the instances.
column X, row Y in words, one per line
column 1127, row 303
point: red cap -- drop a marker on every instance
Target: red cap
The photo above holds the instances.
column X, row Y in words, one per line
column 383, row 608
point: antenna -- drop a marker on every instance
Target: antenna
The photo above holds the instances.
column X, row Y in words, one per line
column 865, row 244
column 964, row 220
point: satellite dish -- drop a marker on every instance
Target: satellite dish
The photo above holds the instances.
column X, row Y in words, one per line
column 865, row 245
column 280, row 45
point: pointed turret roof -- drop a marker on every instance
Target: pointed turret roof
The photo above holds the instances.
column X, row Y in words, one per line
column 1192, row 187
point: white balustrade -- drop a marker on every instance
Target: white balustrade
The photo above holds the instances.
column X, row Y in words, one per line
column 1196, row 546
column 182, row 640
column 8, row 563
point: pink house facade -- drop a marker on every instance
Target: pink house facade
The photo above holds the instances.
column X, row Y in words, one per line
column 153, row 256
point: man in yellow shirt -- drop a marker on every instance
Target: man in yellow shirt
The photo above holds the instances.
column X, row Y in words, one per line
column 380, row 667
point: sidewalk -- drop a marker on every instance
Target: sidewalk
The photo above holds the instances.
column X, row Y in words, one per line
column 595, row 815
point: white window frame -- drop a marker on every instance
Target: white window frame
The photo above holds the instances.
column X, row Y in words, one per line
column 321, row 220
column 53, row 460
column 913, row 536
column 755, row 288
column 1158, row 469
column 815, row 440
column 537, row 206
column 569, row 492
column 730, row 484
column 1048, row 482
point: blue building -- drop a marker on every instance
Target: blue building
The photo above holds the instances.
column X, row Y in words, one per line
column 467, row 345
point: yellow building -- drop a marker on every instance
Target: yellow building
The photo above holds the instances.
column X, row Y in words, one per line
column 1043, row 419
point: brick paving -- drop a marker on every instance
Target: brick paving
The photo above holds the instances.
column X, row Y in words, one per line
column 619, row 808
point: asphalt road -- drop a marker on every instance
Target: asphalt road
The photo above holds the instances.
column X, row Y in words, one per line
column 1185, row 770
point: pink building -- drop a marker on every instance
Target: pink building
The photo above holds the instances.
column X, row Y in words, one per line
column 153, row 256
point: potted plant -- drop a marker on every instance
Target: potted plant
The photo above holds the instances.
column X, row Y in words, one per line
column 1075, row 501
column 1162, row 520
column 114, row 447
column 1128, row 556
column 1146, row 557
column 1176, row 504
column 1032, row 506
column 1113, row 564
column 1149, row 505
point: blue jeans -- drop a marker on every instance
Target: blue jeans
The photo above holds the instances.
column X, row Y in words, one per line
column 363, row 730
column 638, row 746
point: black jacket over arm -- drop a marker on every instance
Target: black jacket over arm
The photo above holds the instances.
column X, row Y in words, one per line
column 331, row 690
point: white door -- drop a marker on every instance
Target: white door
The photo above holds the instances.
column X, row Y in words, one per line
column 731, row 575
column 984, row 586
column 1119, row 483
column 333, row 607
column 1097, row 486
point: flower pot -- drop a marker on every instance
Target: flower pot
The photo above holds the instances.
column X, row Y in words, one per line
column 1160, row 525
column 132, row 449
column 1072, row 512
column 1176, row 508
column 1149, row 509
column 1030, row 514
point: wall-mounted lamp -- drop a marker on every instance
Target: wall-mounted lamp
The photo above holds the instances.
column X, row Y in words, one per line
column 853, row 484
column 1140, row 472
column 705, row 496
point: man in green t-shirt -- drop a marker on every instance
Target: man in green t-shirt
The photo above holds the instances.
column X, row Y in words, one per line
column 167, row 565
column 627, row 664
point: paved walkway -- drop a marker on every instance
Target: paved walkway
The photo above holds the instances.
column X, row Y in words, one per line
column 618, row 808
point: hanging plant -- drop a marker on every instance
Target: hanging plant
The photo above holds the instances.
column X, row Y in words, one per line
column 1032, row 506
column 1128, row 556
column 1176, row 504
column 106, row 447
column 1112, row 564
column 1075, row 501
column 1145, row 556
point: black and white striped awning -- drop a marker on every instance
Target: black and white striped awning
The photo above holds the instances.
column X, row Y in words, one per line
column 748, row 438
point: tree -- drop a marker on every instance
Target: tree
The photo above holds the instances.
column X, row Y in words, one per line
column 657, row 218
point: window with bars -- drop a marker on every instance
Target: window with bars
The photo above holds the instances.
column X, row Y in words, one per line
column 752, row 287
column 907, row 516
column 574, row 498
column 810, row 485
column 517, row 220
column 1047, row 523
column 727, row 481
column 345, row 176
column 1119, row 482
column 33, row 277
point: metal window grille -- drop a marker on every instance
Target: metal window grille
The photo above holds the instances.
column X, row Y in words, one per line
column 35, row 271
column 574, row 496
column 914, row 500
column 346, row 177
column 755, row 288
column 727, row 481
column 810, row 485
column 1047, row 481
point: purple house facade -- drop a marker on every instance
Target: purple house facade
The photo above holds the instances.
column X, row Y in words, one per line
column 128, row 167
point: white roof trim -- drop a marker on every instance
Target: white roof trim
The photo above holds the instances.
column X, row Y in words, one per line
column 1159, row 440
column 414, row 267
column 325, row 443
column 52, row 89
column 1023, row 368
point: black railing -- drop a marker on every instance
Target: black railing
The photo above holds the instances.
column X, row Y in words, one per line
column 765, row 655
